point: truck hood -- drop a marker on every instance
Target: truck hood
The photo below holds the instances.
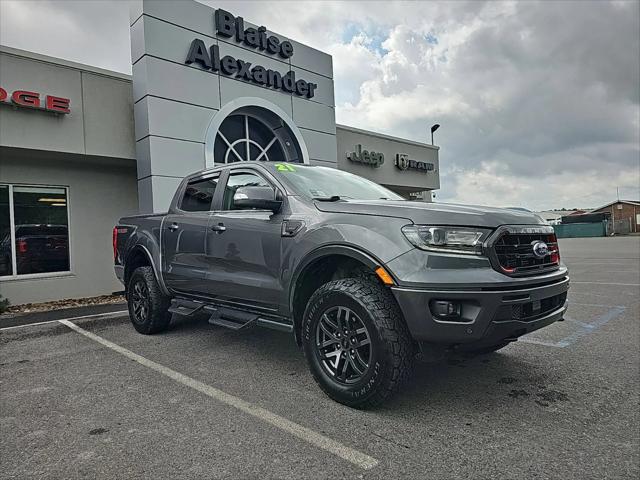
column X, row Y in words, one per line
column 433, row 213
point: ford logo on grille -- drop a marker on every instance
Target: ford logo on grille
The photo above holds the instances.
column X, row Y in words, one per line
column 540, row 249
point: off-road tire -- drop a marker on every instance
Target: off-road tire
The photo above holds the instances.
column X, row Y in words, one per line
column 391, row 351
column 158, row 317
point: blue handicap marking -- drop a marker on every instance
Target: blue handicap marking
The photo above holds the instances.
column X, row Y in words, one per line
column 581, row 328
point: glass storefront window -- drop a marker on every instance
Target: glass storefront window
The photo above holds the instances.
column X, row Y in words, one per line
column 6, row 252
column 40, row 229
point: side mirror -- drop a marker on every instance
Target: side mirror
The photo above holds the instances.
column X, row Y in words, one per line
column 260, row 198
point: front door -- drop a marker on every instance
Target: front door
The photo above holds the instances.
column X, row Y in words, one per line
column 184, row 235
column 244, row 248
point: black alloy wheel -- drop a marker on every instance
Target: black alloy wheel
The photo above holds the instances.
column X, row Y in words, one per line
column 343, row 345
column 148, row 306
column 356, row 342
column 140, row 301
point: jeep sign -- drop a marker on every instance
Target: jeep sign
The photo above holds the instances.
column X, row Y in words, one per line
column 374, row 159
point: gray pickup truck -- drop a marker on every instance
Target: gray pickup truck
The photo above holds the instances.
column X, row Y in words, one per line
column 363, row 279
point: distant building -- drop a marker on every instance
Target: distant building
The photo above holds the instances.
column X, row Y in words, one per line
column 554, row 217
column 623, row 216
column 551, row 217
column 576, row 212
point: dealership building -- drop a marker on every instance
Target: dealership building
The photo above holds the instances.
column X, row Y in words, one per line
column 81, row 146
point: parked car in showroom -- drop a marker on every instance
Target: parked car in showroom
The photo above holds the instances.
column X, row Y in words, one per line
column 362, row 278
column 40, row 248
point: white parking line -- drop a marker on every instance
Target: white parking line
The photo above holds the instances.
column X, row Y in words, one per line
column 355, row 457
column 573, row 282
column 96, row 315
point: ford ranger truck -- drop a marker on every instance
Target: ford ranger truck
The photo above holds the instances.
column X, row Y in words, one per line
column 363, row 279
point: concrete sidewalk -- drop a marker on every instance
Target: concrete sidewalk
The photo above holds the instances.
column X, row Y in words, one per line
column 18, row 319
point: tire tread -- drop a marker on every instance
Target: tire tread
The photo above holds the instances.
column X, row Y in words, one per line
column 159, row 315
column 384, row 310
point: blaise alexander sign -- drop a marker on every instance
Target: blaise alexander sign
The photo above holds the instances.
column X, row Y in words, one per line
column 228, row 26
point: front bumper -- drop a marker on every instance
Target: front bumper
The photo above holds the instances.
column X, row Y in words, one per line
column 490, row 314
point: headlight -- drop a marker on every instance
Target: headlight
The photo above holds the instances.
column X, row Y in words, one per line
column 463, row 240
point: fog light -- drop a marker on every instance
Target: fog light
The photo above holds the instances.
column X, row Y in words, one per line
column 445, row 309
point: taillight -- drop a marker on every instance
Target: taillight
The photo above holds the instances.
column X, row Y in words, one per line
column 22, row 246
column 115, row 243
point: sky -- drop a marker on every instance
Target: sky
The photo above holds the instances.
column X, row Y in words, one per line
column 538, row 102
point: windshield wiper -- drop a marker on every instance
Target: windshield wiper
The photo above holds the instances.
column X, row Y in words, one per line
column 332, row 198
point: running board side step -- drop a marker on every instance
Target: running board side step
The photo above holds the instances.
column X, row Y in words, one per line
column 233, row 319
column 274, row 325
column 185, row 307
column 238, row 319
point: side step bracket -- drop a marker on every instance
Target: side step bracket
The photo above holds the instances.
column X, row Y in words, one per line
column 183, row 307
column 233, row 319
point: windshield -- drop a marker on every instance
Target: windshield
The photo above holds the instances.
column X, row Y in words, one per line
column 329, row 183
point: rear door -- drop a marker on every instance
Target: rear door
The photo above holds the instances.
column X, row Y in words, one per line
column 244, row 247
column 184, row 236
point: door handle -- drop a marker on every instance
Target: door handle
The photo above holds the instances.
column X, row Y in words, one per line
column 219, row 228
column 173, row 227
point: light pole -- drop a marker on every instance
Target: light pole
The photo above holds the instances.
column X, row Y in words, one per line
column 433, row 129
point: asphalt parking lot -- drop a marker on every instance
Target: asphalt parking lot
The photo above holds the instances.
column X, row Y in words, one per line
column 203, row 402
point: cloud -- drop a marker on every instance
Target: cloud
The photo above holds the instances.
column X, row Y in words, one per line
column 497, row 186
column 354, row 63
column 538, row 101
column 94, row 32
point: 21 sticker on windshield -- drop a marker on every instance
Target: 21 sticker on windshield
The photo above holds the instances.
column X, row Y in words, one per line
column 284, row 167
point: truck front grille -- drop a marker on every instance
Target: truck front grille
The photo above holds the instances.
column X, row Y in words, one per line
column 515, row 254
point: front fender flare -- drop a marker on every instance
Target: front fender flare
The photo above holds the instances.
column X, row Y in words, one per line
column 347, row 250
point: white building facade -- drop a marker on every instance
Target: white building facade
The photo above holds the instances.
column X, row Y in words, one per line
column 81, row 147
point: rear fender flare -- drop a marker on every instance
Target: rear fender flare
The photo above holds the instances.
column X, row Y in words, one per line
column 145, row 251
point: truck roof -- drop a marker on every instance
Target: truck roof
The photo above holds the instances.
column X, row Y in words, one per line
column 270, row 166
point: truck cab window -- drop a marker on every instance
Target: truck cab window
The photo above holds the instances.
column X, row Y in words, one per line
column 237, row 180
column 198, row 195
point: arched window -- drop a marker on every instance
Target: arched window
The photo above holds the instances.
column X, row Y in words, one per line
column 255, row 135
